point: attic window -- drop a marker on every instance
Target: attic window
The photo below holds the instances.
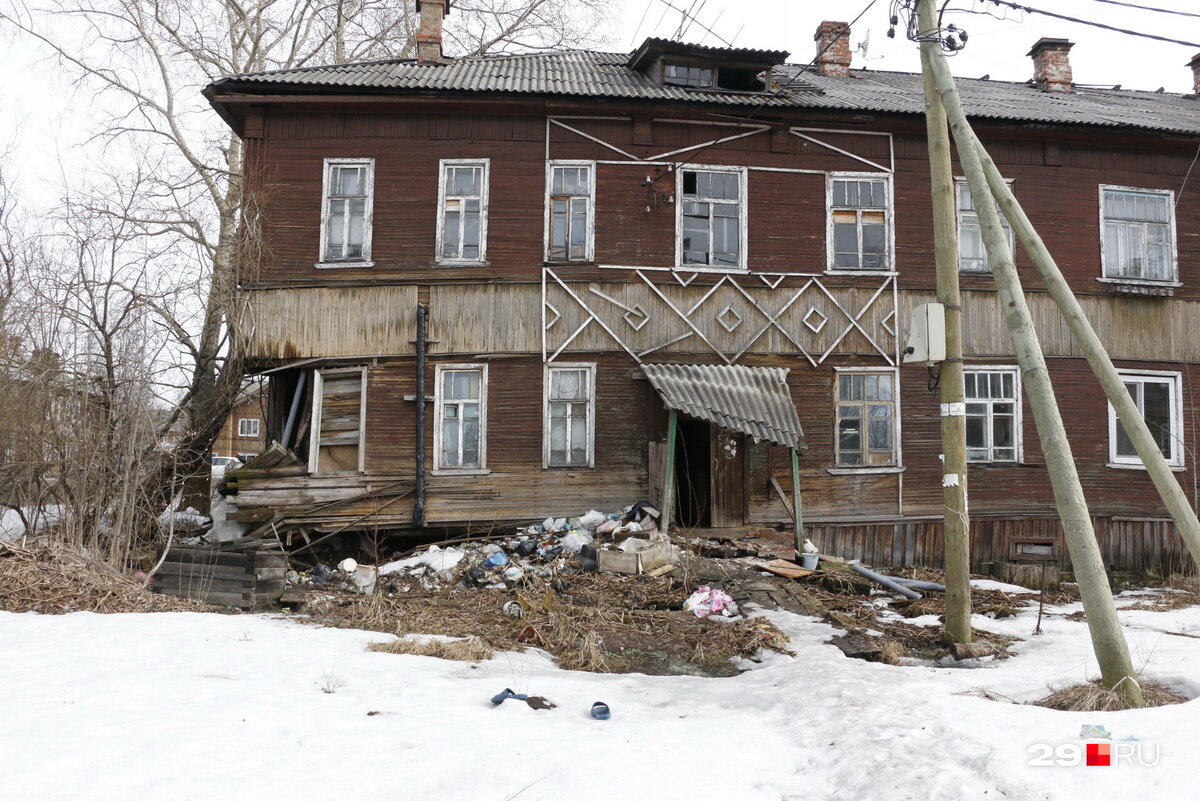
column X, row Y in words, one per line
column 681, row 75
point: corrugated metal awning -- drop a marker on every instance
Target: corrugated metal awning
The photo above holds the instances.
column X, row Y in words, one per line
column 753, row 400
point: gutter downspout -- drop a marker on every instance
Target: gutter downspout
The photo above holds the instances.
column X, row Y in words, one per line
column 419, row 500
column 290, row 426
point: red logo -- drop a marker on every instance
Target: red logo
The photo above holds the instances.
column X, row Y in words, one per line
column 1099, row 754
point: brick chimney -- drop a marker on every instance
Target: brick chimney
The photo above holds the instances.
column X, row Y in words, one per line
column 429, row 35
column 833, row 49
column 1195, row 65
column 1052, row 66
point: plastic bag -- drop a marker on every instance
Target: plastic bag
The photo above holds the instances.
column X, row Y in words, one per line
column 706, row 601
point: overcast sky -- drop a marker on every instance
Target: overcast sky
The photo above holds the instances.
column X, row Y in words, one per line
column 41, row 116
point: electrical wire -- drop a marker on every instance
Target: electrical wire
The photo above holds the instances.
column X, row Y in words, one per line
column 1032, row 10
column 783, row 87
column 1149, row 8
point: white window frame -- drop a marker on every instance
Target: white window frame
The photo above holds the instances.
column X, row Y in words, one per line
column 485, row 192
column 890, row 226
column 314, row 435
column 589, row 246
column 591, row 414
column 959, row 211
column 257, row 427
column 368, row 214
column 438, row 468
column 1173, row 265
column 1018, row 418
column 897, row 465
column 743, row 204
column 1175, row 381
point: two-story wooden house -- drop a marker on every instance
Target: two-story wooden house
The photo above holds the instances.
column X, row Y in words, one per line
column 556, row 249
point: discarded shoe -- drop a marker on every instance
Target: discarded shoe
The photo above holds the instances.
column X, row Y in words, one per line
column 600, row 711
column 500, row 698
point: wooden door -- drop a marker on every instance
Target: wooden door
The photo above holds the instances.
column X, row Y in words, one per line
column 728, row 478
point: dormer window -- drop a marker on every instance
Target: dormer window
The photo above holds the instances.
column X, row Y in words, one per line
column 693, row 66
column 682, row 75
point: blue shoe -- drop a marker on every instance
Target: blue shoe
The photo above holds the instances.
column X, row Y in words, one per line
column 500, row 698
column 600, row 711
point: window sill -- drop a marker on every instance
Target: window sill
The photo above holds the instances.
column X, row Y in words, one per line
column 1140, row 287
column 837, row 271
column 708, row 268
column 463, row 472
column 863, row 471
column 569, row 263
column 1176, row 468
column 343, row 265
column 453, row 264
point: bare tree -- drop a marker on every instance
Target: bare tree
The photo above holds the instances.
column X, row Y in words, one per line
column 178, row 206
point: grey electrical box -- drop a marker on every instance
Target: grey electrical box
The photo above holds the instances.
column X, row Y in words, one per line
column 926, row 334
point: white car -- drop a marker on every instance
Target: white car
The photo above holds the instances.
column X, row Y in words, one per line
column 222, row 463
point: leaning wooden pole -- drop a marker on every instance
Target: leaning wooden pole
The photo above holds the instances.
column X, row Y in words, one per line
column 1108, row 641
column 1165, row 481
column 956, row 524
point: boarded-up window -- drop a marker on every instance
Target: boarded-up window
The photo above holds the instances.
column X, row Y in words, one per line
column 859, row 223
column 338, row 410
column 866, row 419
column 570, row 411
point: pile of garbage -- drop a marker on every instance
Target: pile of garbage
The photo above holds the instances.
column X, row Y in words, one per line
column 556, row 546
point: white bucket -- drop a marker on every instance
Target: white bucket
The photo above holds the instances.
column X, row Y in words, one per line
column 808, row 561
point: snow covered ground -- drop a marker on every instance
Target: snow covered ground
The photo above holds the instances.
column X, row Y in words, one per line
column 208, row 706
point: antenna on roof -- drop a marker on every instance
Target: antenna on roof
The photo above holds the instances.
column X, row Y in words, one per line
column 865, row 45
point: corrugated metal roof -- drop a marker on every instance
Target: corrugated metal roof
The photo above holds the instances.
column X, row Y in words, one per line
column 902, row 93
column 578, row 73
column 753, row 400
column 605, row 75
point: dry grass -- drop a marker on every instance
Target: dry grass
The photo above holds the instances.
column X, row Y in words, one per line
column 602, row 623
column 1095, row 697
column 54, row 579
column 891, row 652
column 472, row 649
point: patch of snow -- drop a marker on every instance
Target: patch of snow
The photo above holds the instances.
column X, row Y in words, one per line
column 989, row 584
column 816, row 726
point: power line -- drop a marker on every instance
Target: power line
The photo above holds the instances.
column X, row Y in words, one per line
column 1032, row 10
column 783, row 87
column 1149, row 8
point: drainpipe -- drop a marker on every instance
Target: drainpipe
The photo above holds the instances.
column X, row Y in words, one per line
column 419, row 502
column 294, row 411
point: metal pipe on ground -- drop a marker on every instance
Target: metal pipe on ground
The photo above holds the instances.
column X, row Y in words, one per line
column 886, row 581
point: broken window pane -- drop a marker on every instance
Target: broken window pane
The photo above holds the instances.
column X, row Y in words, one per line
column 712, row 218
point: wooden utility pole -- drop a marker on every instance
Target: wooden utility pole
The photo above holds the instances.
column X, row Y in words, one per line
column 1108, row 641
column 1165, row 481
column 956, row 525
